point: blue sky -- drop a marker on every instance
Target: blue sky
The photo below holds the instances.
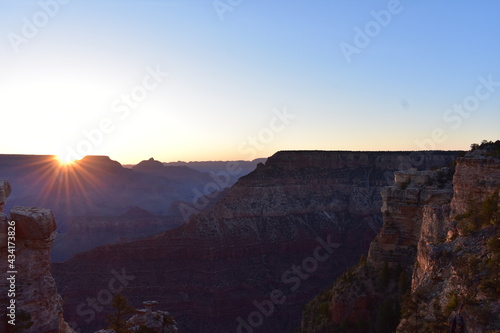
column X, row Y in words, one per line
column 234, row 66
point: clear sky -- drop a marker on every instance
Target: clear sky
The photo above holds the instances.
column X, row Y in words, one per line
column 246, row 78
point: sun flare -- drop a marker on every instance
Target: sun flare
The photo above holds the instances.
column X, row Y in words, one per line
column 64, row 161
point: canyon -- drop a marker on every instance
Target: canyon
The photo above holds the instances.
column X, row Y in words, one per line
column 250, row 262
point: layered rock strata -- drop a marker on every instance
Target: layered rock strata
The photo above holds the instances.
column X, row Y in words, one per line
column 433, row 267
column 455, row 283
column 356, row 300
column 26, row 282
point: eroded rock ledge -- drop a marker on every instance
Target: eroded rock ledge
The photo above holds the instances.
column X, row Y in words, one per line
column 38, row 306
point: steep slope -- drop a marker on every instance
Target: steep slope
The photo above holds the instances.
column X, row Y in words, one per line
column 367, row 297
column 445, row 238
column 28, row 289
column 279, row 236
column 456, row 282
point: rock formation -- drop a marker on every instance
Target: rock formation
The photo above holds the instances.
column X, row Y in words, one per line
column 442, row 234
column 149, row 320
column 26, row 272
column 157, row 321
column 456, row 279
column 356, row 301
column 278, row 237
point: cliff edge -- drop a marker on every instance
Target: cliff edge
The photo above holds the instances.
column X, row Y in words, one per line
column 434, row 266
column 28, row 289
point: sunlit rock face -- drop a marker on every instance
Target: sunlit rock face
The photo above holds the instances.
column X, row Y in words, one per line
column 435, row 258
column 356, row 299
column 454, row 263
column 281, row 234
column 38, row 306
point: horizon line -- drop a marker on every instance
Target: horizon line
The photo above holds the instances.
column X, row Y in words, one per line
column 241, row 160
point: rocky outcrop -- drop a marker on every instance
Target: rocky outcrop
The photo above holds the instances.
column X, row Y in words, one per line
column 403, row 208
column 367, row 297
column 156, row 321
column 278, row 237
column 148, row 320
column 455, row 283
column 477, row 177
column 27, row 285
column 442, row 234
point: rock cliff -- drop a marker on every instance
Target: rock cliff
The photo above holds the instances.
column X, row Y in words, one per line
column 28, row 288
column 455, row 284
column 278, row 237
column 366, row 298
column 433, row 267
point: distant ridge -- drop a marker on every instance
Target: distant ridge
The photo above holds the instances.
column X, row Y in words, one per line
column 137, row 212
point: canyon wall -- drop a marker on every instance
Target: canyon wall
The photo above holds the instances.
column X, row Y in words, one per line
column 455, row 284
column 355, row 302
column 433, row 267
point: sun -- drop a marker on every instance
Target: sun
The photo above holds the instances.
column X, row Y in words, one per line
column 64, row 161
